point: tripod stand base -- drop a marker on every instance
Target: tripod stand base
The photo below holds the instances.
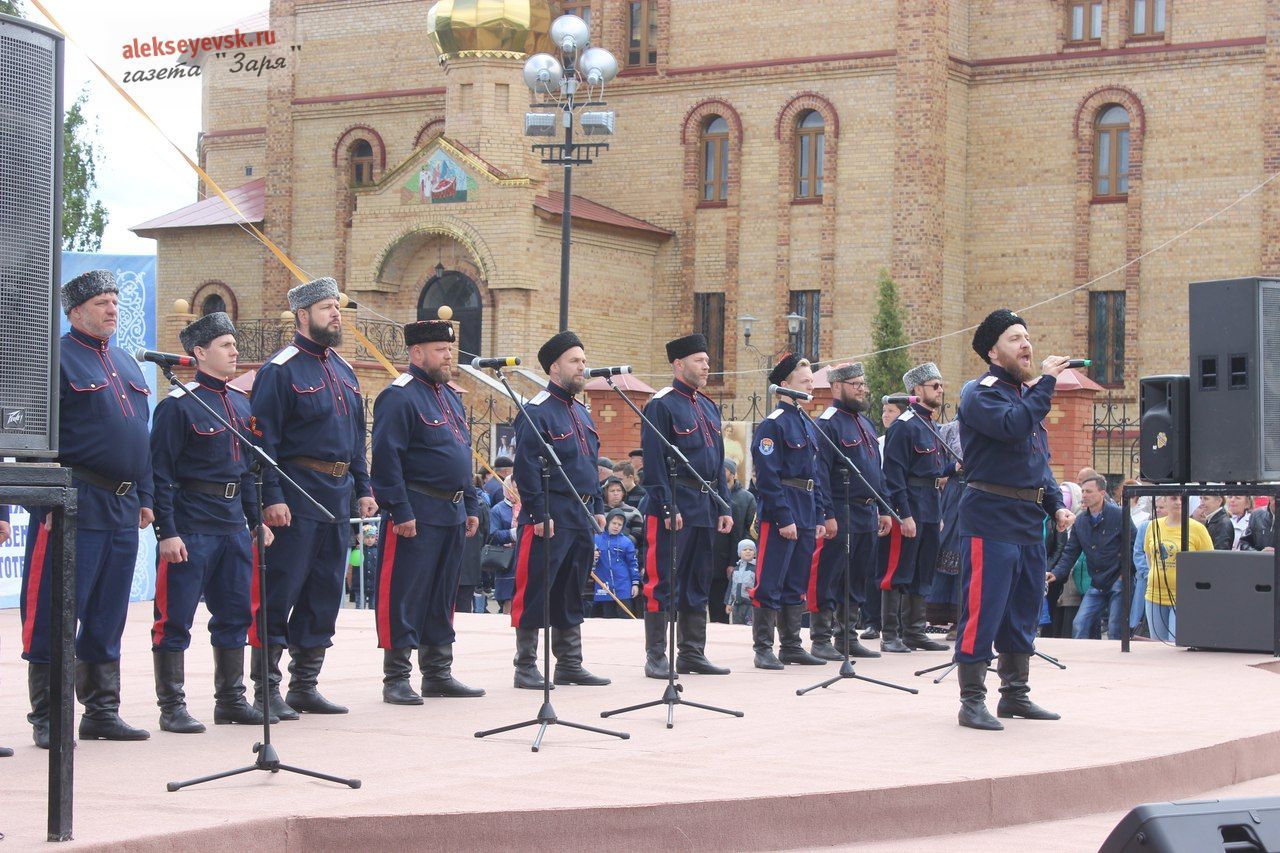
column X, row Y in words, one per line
column 546, row 718
column 671, row 698
column 268, row 761
column 847, row 672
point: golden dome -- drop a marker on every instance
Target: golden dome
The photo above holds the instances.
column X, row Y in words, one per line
column 504, row 29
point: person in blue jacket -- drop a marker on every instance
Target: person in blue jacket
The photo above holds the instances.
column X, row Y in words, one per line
column 915, row 465
column 1010, row 491
column 206, row 503
column 615, row 566
column 103, row 439
column 793, row 512
column 421, row 476
column 557, row 520
column 308, row 414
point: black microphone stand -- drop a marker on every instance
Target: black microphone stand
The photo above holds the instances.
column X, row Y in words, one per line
column 949, row 666
column 846, row 468
column 267, row 759
column 671, row 696
column 546, row 714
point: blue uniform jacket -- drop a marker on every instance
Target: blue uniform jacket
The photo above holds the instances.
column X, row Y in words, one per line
column 306, row 402
column 785, row 446
column 1003, row 434
column 617, row 566
column 911, row 450
column 566, row 425
column 420, row 433
column 102, row 426
column 691, row 422
column 187, row 443
column 855, row 435
column 1100, row 544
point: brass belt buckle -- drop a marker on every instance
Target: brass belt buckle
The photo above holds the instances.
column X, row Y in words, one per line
column 338, row 470
column 808, row 485
column 123, row 489
column 937, row 483
column 1040, row 495
column 229, row 490
column 457, row 496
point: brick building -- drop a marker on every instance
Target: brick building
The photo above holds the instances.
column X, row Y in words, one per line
column 985, row 152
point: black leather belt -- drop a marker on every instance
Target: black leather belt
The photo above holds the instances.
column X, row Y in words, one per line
column 694, row 484
column 798, row 483
column 1034, row 496
column 119, row 488
column 204, row 487
column 433, row 492
column 928, row 482
column 322, row 466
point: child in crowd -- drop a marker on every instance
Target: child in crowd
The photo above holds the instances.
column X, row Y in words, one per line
column 615, row 565
column 742, row 579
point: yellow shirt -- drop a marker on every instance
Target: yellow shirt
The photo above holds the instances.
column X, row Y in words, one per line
column 1162, row 542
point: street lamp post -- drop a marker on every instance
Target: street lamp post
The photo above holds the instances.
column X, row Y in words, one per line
column 762, row 361
column 557, row 81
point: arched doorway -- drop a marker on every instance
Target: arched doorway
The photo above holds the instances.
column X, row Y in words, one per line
column 459, row 292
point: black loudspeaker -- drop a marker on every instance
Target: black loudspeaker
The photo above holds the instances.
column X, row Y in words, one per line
column 30, row 236
column 1164, row 429
column 1226, row 600
column 1204, row 826
column 1235, row 380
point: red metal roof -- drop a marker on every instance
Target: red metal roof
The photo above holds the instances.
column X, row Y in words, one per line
column 625, row 382
column 582, row 208
column 213, row 210
column 1072, row 379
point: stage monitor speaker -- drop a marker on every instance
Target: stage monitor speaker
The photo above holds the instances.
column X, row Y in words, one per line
column 1235, row 380
column 1198, row 826
column 1164, row 429
column 1226, row 600
column 30, row 236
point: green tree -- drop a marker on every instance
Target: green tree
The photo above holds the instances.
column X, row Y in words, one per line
column 889, row 339
column 83, row 218
column 11, row 7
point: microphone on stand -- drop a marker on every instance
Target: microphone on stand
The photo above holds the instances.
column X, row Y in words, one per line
column 164, row 359
column 596, row 372
column 495, row 363
column 789, row 392
column 900, row 399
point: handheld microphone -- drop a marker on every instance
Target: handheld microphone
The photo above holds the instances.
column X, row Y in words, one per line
column 789, row 392
column 495, row 363
column 900, row 399
column 164, row 359
column 608, row 371
column 1079, row 362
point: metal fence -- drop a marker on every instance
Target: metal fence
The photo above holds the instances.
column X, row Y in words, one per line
column 257, row 339
column 1115, row 438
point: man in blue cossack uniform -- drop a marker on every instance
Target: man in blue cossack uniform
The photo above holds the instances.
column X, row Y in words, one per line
column 562, row 526
column 309, row 415
column 691, row 422
column 102, row 437
column 206, row 504
column 793, row 512
column 848, row 427
column 914, row 468
column 422, row 478
column 1002, row 514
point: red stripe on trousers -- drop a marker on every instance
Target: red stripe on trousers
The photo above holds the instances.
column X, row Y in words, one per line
column 651, row 563
column 255, row 600
column 895, row 555
column 384, row 587
column 162, row 604
column 33, row 585
column 764, row 540
column 522, row 573
column 970, row 638
column 812, row 599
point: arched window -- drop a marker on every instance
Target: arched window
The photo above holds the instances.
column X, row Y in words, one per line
column 1111, row 153
column 715, row 159
column 212, row 304
column 810, row 142
column 361, row 163
column 459, row 292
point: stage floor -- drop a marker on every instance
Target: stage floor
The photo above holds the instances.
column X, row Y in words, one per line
column 853, row 764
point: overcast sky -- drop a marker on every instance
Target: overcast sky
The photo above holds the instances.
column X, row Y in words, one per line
column 139, row 175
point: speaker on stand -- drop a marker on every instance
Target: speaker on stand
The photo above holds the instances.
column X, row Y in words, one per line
column 1164, row 433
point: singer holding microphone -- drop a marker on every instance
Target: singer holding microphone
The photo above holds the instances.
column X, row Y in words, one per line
column 691, row 422
column 103, row 438
column 1002, row 513
column 421, row 475
column 793, row 512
